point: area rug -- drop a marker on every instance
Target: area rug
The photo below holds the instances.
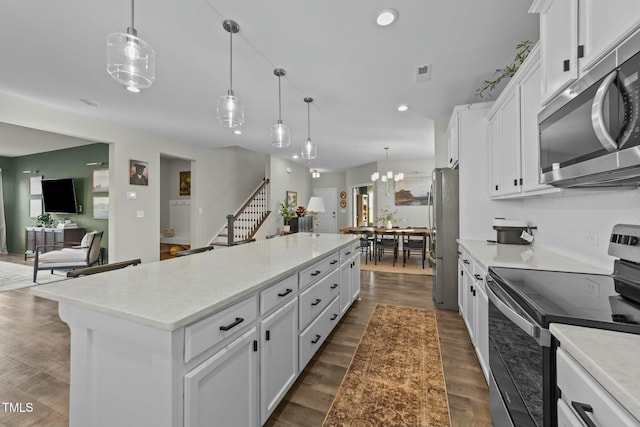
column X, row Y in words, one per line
column 413, row 266
column 18, row 276
column 395, row 377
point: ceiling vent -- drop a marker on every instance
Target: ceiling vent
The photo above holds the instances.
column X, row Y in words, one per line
column 423, row 73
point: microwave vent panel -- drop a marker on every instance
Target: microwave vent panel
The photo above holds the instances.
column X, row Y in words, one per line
column 423, row 73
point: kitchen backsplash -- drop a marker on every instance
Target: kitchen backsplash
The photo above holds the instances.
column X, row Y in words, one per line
column 576, row 223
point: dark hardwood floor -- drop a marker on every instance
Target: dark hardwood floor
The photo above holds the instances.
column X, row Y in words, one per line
column 34, row 358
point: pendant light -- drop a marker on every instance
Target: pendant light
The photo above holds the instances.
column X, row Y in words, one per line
column 230, row 108
column 387, row 176
column 309, row 149
column 280, row 134
column 130, row 60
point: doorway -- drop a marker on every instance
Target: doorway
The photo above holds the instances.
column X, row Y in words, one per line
column 362, row 202
column 175, row 205
column 327, row 221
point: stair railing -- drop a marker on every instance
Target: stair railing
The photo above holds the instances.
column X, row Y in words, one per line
column 248, row 219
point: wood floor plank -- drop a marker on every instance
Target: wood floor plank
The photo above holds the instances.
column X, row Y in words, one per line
column 34, row 357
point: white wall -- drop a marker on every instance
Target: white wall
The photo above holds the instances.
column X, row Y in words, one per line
column 441, row 141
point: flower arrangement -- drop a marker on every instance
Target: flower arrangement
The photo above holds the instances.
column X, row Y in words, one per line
column 301, row 211
column 386, row 216
column 286, row 210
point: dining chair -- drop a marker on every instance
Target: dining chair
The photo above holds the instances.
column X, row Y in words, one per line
column 385, row 241
column 416, row 242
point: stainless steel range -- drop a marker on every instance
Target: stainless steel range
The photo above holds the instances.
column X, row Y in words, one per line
column 522, row 304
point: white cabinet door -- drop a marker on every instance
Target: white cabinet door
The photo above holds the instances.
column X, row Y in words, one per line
column 510, row 143
column 495, row 164
column 355, row 277
column 278, row 356
column 603, row 25
column 224, row 388
column 559, row 36
column 345, row 286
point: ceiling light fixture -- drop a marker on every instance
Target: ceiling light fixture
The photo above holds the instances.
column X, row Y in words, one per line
column 387, row 17
column 280, row 134
column 230, row 108
column 309, row 149
column 388, row 176
column 315, row 173
column 131, row 60
column 237, row 132
column 403, row 107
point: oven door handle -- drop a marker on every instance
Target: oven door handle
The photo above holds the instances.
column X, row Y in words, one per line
column 542, row 336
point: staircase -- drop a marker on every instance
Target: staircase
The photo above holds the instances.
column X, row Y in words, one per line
column 244, row 224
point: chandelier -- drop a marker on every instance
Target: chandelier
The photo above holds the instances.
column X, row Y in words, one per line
column 387, row 177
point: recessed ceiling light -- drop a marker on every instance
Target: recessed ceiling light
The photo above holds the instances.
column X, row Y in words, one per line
column 387, row 17
column 237, row 131
column 295, row 156
column 403, row 107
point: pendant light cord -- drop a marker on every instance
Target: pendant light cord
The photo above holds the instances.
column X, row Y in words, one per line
column 231, row 62
column 309, row 120
column 132, row 26
column 279, row 102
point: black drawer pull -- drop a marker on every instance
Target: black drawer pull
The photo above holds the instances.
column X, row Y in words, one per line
column 316, row 273
column 231, row 325
column 285, row 293
column 334, row 317
column 478, row 277
column 466, row 261
column 316, row 302
column 335, row 285
column 347, row 253
column 582, row 409
column 316, row 339
column 335, row 261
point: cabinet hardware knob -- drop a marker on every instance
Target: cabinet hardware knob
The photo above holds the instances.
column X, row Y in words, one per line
column 285, row 293
column 268, row 336
column 581, row 51
column 316, row 273
column 347, row 253
column 515, row 182
column 335, row 285
column 478, row 277
column 565, row 65
column 231, row 325
column 334, row 317
column 316, row 339
column 317, row 301
column 466, row 261
column 333, row 262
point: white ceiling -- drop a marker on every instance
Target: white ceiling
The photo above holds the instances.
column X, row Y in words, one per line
column 358, row 73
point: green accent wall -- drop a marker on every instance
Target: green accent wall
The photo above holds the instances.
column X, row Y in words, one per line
column 67, row 163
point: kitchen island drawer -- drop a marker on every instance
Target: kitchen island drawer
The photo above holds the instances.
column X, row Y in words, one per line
column 219, row 327
column 278, row 293
column 317, row 297
column 318, row 270
column 312, row 338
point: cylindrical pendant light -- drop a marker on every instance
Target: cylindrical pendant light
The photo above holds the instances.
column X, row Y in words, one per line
column 309, row 149
column 230, row 108
column 130, row 60
column 280, row 134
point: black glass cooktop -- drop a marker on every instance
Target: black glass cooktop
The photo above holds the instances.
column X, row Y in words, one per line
column 571, row 298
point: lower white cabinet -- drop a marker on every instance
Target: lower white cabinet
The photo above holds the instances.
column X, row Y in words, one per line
column 224, row 388
column 349, row 279
column 312, row 338
column 278, row 356
column 584, row 399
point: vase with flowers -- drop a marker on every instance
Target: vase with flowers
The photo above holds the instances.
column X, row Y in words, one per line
column 386, row 217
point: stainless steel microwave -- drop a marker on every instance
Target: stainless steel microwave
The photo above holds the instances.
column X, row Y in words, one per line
column 590, row 134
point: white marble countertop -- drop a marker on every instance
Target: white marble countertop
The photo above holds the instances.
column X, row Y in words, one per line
column 617, row 371
column 171, row 294
column 524, row 256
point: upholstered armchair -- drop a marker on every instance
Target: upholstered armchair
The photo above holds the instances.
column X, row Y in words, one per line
column 84, row 255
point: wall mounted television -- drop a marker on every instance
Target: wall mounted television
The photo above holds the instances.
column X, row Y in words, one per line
column 59, row 196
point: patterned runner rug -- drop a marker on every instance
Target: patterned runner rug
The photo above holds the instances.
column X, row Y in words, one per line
column 395, row 377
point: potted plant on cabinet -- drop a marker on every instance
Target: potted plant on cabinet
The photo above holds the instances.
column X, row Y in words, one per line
column 286, row 210
column 44, row 220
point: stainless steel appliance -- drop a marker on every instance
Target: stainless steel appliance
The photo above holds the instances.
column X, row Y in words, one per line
column 444, row 229
column 589, row 135
column 522, row 304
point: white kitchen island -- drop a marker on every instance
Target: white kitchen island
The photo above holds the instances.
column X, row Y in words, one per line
column 215, row 338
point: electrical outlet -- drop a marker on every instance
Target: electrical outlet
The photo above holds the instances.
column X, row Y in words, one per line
column 591, row 238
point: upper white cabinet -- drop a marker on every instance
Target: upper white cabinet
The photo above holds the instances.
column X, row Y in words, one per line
column 513, row 134
column 576, row 34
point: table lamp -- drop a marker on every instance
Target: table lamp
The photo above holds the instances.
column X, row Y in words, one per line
column 316, row 204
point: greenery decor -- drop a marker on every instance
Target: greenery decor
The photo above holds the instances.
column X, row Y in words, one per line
column 385, row 215
column 522, row 51
column 287, row 211
column 44, row 219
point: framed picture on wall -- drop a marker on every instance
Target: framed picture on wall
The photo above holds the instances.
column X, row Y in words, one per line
column 101, row 208
column 185, row 183
column 413, row 191
column 35, row 207
column 292, row 198
column 138, row 172
column 100, row 180
column 35, row 185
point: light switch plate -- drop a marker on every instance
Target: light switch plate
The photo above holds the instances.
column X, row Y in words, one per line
column 140, row 214
column 131, row 194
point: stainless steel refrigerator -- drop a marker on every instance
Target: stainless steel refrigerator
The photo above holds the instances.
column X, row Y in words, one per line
column 444, row 227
